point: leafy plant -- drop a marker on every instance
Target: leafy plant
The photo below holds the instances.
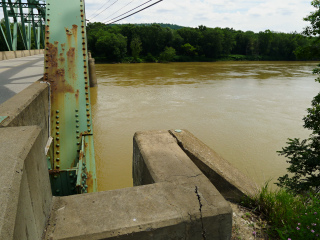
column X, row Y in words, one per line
column 167, row 55
column 290, row 216
column 304, row 155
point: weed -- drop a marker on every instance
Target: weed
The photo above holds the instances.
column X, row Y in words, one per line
column 290, row 216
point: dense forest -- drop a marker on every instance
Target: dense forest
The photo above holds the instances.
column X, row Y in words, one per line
column 166, row 42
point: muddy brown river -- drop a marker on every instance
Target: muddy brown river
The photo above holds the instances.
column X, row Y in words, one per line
column 245, row 111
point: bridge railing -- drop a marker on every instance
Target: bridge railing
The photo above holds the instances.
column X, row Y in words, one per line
column 6, row 55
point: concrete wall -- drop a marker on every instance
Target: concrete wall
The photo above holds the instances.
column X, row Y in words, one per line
column 27, row 108
column 6, row 55
column 25, row 199
column 176, row 201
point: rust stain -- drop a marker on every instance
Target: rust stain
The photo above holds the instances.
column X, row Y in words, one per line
column 52, row 53
column 72, row 40
column 89, row 182
column 55, row 75
column 72, row 35
column 55, row 171
column 62, row 59
column 77, row 96
column 75, row 31
column 71, row 57
column 73, row 164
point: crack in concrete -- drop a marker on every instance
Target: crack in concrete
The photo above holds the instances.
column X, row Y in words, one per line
column 200, row 209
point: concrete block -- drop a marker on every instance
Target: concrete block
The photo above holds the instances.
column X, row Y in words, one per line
column 29, row 107
column 25, row 200
column 230, row 182
column 164, row 159
column 180, row 204
column 157, row 211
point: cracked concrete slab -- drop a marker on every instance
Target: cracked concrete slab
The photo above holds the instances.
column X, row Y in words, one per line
column 165, row 204
column 230, row 182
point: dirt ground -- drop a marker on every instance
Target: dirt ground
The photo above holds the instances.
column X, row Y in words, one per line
column 246, row 225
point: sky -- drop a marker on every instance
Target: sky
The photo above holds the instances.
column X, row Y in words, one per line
column 246, row 15
column 254, row 15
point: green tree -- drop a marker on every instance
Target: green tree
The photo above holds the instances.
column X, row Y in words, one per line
column 167, row 55
column 189, row 50
column 212, row 42
column 136, row 47
column 265, row 39
column 228, row 41
column 112, row 46
column 304, row 155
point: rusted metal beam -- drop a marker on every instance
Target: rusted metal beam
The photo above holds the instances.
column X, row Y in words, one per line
column 66, row 69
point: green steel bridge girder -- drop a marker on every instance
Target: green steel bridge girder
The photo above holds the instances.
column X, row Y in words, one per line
column 71, row 157
column 15, row 10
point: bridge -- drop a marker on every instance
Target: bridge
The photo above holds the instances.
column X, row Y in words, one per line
column 49, row 186
column 18, row 73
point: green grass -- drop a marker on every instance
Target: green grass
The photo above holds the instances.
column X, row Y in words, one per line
column 289, row 216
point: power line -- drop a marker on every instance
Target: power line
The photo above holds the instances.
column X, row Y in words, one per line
column 99, row 8
column 105, row 9
column 130, row 10
column 119, row 9
column 133, row 13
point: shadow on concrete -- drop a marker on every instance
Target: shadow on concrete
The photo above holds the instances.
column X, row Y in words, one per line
column 6, row 78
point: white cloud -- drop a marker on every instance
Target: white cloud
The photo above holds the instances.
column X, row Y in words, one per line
column 255, row 15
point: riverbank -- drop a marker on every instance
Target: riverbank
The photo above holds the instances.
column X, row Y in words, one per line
column 247, row 225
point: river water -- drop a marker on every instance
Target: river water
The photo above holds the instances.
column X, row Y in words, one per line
column 245, row 111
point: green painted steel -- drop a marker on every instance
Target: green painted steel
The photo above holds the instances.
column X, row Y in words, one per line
column 66, row 69
column 7, row 25
column 2, row 118
column 33, row 20
column 5, row 39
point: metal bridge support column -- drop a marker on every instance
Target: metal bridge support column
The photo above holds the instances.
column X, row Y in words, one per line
column 66, row 69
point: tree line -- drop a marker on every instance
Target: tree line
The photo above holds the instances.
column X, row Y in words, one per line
column 162, row 43
column 168, row 42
